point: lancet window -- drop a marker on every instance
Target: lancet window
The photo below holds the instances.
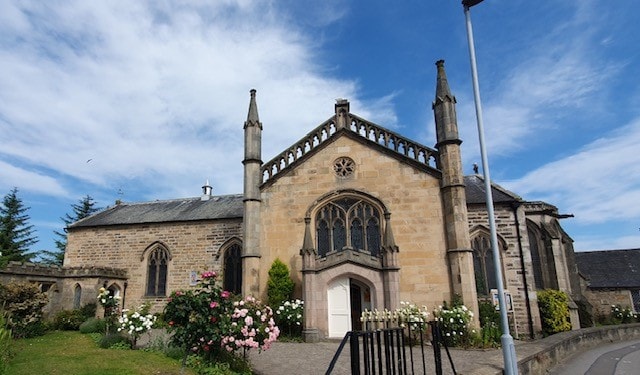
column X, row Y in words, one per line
column 233, row 268
column 483, row 264
column 157, row 272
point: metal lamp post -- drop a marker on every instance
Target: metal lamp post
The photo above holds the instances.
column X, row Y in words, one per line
column 508, row 348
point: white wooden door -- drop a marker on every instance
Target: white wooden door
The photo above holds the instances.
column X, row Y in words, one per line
column 339, row 307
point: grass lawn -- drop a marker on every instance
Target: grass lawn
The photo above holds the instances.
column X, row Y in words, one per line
column 66, row 352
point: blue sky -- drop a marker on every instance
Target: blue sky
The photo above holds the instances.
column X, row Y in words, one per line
column 146, row 100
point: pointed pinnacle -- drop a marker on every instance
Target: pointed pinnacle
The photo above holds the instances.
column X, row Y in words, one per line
column 442, row 86
column 252, row 117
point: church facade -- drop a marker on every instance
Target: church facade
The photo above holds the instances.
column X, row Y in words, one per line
column 363, row 217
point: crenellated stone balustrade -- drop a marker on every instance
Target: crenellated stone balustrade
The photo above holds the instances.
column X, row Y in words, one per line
column 42, row 270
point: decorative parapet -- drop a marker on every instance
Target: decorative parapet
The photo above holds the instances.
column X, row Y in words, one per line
column 418, row 153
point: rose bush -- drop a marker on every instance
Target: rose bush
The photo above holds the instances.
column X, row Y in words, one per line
column 252, row 326
column 136, row 322
column 207, row 320
column 289, row 317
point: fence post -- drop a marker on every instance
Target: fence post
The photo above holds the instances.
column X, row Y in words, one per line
column 355, row 353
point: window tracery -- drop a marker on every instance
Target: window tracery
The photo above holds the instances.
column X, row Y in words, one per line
column 483, row 264
column 340, row 225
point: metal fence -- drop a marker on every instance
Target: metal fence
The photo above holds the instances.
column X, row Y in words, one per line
column 394, row 350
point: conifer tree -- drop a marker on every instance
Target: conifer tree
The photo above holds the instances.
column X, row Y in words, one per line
column 16, row 234
column 84, row 208
column 279, row 285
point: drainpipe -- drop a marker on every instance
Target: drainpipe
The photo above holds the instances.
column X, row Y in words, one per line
column 515, row 206
column 124, row 293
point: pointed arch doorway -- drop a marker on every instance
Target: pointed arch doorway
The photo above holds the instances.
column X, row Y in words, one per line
column 347, row 298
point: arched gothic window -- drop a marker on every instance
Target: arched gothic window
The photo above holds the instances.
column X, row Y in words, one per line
column 483, row 264
column 542, row 259
column 77, row 296
column 157, row 272
column 348, row 223
column 233, row 269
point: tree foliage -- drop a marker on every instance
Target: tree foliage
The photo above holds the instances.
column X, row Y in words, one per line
column 85, row 207
column 16, row 234
column 279, row 286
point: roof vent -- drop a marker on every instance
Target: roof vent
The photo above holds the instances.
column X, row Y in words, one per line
column 206, row 191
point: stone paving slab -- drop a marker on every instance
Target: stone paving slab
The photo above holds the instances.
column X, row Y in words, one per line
column 313, row 359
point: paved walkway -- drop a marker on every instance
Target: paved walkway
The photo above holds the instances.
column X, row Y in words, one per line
column 312, row 359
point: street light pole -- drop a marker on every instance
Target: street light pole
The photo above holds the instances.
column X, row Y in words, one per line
column 508, row 348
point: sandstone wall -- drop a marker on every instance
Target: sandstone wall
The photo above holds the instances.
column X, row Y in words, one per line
column 193, row 246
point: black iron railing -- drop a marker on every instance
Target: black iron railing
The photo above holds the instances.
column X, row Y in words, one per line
column 398, row 350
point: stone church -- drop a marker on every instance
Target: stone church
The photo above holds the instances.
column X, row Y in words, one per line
column 363, row 217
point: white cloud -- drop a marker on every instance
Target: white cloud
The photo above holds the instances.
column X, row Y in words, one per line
column 156, row 93
column 598, row 183
column 558, row 73
column 12, row 176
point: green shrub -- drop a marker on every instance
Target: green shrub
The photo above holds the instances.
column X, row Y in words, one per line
column 89, row 310
column 107, row 341
column 622, row 315
column 226, row 364
column 554, row 311
column 5, row 342
column 162, row 344
column 67, row 320
column 279, row 285
column 93, row 325
column 23, row 302
column 490, row 331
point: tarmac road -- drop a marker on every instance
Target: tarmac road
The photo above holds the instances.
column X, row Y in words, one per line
column 617, row 358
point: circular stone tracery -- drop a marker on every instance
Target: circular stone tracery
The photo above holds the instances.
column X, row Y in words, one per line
column 344, row 166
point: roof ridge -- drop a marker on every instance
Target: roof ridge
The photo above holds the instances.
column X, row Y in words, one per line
column 498, row 187
column 174, row 200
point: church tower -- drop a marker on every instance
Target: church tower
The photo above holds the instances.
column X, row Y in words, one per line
column 252, row 178
column 459, row 252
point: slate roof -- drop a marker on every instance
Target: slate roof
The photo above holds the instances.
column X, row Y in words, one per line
column 610, row 268
column 476, row 193
column 187, row 209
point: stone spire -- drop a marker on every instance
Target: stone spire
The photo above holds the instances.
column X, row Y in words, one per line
column 252, row 202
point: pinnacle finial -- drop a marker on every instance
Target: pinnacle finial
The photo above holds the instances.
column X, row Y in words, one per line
column 442, row 86
column 252, row 116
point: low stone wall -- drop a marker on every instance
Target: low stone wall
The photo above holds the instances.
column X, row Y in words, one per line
column 554, row 349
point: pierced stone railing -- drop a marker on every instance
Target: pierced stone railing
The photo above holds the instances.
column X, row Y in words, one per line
column 422, row 154
column 370, row 131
